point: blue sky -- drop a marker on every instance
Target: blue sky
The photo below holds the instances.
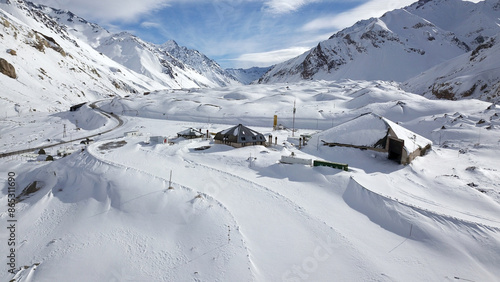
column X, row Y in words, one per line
column 239, row 33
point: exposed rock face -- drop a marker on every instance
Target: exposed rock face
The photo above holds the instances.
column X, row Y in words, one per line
column 7, row 69
column 399, row 45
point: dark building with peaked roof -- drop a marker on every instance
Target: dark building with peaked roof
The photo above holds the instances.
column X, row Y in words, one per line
column 240, row 136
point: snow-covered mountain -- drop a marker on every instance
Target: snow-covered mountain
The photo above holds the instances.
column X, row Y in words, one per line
column 170, row 64
column 472, row 75
column 48, row 69
column 247, row 76
column 397, row 46
column 65, row 59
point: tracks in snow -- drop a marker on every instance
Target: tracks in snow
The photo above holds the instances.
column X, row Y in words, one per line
column 187, row 188
column 93, row 106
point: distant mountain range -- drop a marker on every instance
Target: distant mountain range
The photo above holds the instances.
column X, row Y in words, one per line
column 406, row 42
column 247, row 76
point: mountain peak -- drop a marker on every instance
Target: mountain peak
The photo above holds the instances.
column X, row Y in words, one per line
column 421, row 3
column 421, row 35
column 170, row 44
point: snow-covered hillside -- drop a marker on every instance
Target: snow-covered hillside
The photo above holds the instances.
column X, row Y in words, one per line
column 170, row 64
column 472, row 75
column 53, row 53
column 53, row 69
column 397, row 46
column 247, row 76
column 106, row 212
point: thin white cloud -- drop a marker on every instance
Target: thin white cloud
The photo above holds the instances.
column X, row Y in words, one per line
column 148, row 24
column 283, row 6
column 372, row 8
column 287, row 6
column 130, row 10
column 108, row 10
column 263, row 59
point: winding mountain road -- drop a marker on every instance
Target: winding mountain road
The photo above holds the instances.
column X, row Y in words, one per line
column 93, row 106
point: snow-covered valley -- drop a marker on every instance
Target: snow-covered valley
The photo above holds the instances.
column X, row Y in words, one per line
column 106, row 213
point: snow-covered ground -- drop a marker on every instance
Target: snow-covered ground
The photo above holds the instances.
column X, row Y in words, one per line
column 106, row 213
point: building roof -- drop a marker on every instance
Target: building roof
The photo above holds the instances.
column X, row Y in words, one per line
column 412, row 140
column 190, row 132
column 370, row 130
column 240, row 134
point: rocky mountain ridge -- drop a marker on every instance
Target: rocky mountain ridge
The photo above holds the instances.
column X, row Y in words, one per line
column 397, row 46
column 54, row 55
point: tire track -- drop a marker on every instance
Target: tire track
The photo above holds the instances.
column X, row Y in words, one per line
column 92, row 153
column 306, row 217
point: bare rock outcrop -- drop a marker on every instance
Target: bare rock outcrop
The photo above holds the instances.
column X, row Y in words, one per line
column 7, row 69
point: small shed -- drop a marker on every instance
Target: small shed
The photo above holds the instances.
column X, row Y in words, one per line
column 158, row 139
column 134, row 133
column 240, row 136
column 292, row 159
column 373, row 132
column 190, row 133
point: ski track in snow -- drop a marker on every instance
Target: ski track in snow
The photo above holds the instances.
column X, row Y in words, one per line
column 275, row 228
column 91, row 150
column 253, row 187
column 327, row 230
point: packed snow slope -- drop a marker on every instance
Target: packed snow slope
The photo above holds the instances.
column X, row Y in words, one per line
column 106, row 212
column 399, row 45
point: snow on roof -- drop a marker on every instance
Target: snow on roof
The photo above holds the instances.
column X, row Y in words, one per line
column 190, row 132
column 411, row 139
column 370, row 128
column 365, row 130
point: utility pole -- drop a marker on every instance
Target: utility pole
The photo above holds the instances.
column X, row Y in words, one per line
column 293, row 121
column 170, row 181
